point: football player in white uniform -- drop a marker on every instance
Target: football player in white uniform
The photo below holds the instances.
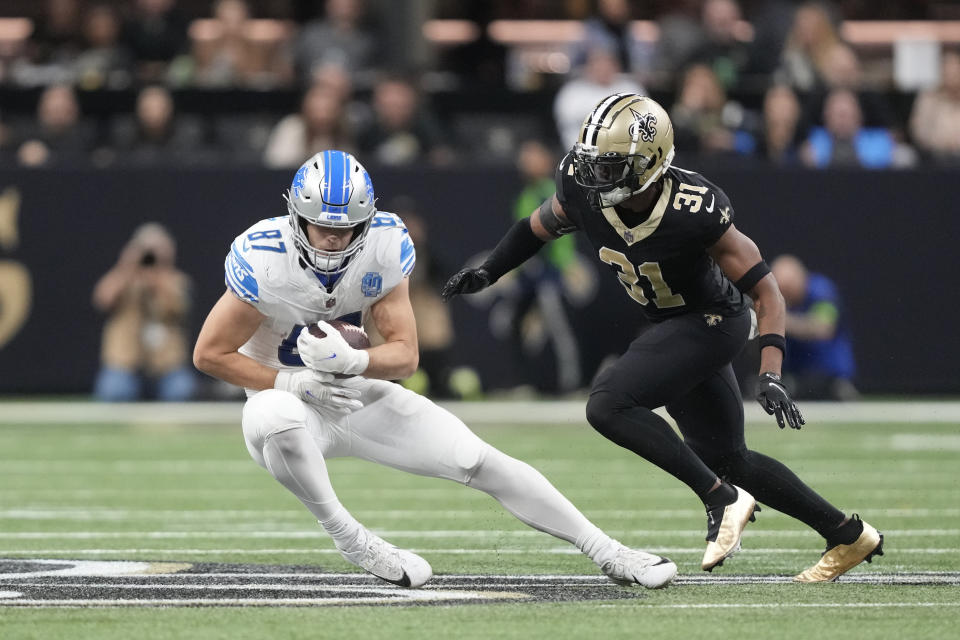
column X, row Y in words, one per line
column 311, row 399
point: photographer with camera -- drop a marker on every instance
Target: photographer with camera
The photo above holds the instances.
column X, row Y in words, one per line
column 146, row 298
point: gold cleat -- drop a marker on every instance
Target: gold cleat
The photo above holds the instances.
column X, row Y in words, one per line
column 723, row 537
column 837, row 560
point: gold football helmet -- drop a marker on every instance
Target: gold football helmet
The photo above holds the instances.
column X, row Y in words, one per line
column 625, row 145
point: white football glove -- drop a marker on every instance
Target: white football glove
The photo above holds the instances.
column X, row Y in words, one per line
column 317, row 389
column 332, row 353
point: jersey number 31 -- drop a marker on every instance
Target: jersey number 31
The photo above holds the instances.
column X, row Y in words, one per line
column 663, row 296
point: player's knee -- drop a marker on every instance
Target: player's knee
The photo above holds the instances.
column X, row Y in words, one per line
column 268, row 413
column 469, row 455
column 601, row 408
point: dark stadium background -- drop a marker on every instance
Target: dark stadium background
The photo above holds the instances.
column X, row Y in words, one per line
column 887, row 237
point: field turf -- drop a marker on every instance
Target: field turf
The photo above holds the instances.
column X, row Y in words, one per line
column 252, row 562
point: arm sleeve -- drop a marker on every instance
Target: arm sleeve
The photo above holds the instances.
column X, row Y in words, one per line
column 516, row 247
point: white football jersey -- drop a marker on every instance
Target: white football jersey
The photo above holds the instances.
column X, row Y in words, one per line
column 264, row 269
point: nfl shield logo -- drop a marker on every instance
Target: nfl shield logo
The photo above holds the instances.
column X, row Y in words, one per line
column 372, row 284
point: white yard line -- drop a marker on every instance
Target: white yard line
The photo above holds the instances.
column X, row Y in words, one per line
column 431, row 534
column 268, row 516
column 495, row 412
column 427, row 550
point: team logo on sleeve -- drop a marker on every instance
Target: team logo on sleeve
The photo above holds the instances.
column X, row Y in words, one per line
column 642, row 126
column 372, row 284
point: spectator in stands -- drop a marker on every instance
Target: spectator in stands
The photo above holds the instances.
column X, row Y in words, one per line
column 843, row 141
column 320, row 124
column 157, row 135
column 232, row 50
column 808, row 48
column 403, row 130
column 723, row 48
column 105, row 63
column 780, row 139
column 156, row 35
column 600, row 77
column 47, row 57
column 842, row 70
column 56, row 38
column 680, row 36
column 146, row 300
column 340, row 37
column 703, row 118
column 935, row 120
column 336, row 81
column 59, row 136
column 610, row 28
column 821, row 359
column 538, row 288
column 221, row 52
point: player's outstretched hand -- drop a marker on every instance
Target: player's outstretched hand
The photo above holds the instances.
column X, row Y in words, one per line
column 319, row 390
column 465, row 281
column 331, row 353
column 773, row 397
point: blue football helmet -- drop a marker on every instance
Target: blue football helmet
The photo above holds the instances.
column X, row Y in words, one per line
column 331, row 189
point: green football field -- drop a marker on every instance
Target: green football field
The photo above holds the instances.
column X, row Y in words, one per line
column 164, row 528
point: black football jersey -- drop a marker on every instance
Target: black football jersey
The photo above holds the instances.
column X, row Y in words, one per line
column 662, row 261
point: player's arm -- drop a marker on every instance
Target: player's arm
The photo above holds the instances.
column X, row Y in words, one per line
column 230, row 323
column 740, row 259
column 522, row 241
column 399, row 354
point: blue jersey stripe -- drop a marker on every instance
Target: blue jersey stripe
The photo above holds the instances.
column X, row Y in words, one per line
column 239, row 286
column 407, row 267
column 239, row 275
column 406, row 248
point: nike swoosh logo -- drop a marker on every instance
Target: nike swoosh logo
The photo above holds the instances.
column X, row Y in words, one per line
column 712, row 199
column 330, row 357
column 403, row 581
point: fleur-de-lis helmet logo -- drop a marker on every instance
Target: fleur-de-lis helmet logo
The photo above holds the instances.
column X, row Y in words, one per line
column 642, row 126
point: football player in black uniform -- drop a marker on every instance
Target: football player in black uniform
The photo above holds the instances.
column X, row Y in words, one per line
column 668, row 235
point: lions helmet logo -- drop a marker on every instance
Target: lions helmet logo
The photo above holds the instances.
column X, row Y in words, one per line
column 642, row 126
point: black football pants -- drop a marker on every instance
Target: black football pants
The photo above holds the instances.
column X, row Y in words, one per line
column 684, row 364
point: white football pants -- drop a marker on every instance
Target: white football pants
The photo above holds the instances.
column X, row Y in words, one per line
column 406, row 431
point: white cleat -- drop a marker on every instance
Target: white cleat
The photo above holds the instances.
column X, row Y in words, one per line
column 629, row 566
column 378, row 557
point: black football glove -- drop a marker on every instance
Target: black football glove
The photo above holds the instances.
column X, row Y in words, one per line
column 465, row 281
column 773, row 397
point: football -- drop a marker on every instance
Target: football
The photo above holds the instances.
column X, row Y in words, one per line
column 355, row 336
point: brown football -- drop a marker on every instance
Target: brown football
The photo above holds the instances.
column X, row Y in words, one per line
column 355, row 336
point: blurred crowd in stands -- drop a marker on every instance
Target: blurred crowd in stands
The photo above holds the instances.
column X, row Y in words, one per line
column 269, row 82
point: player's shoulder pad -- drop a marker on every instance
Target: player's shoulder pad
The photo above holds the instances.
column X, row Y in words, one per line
column 250, row 254
column 394, row 247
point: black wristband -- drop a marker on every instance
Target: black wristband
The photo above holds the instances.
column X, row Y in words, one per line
column 752, row 277
column 516, row 247
column 773, row 340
